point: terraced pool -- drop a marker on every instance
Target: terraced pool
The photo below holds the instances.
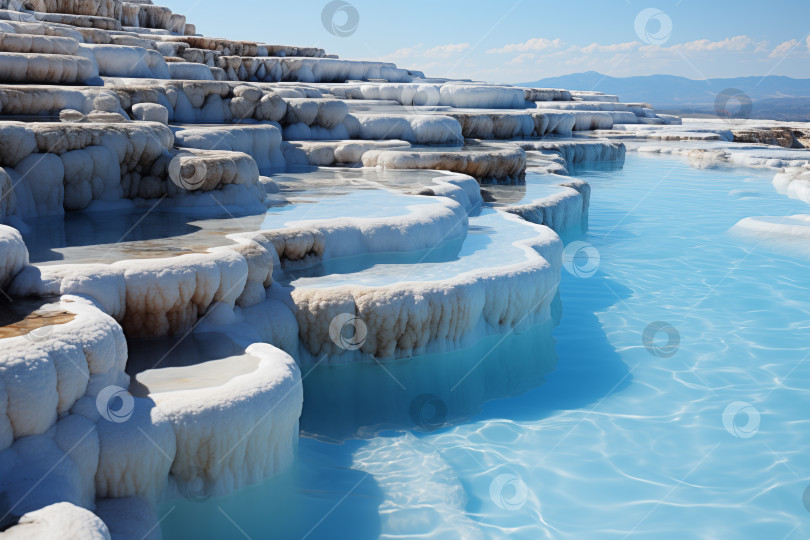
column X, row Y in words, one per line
column 670, row 400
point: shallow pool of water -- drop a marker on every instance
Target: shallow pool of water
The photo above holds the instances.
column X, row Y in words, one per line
column 362, row 204
column 672, row 404
column 489, row 243
column 310, row 193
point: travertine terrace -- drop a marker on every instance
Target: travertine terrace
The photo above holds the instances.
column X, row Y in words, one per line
column 157, row 185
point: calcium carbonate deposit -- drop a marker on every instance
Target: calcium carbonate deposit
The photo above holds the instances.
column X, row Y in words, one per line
column 191, row 223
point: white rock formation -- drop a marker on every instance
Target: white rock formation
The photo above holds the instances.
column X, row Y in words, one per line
column 15, row 255
column 60, row 520
column 563, row 212
column 413, row 316
column 235, row 420
column 159, row 123
column 504, row 164
column 150, row 112
column 416, row 129
column 262, row 142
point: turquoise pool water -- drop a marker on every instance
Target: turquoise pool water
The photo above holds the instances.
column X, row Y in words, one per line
column 489, row 243
column 591, row 429
column 376, row 203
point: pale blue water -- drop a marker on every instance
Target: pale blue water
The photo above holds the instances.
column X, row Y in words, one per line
column 589, row 435
column 489, row 243
column 375, row 203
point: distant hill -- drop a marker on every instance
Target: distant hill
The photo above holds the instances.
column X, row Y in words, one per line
column 781, row 98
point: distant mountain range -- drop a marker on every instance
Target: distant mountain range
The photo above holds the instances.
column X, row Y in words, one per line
column 777, row 97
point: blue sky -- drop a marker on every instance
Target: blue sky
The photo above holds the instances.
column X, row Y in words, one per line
column 524, row 40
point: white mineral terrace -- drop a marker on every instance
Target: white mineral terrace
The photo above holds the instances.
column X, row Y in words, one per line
column 186, row 220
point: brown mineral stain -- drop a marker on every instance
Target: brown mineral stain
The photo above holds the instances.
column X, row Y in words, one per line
column 34, row 321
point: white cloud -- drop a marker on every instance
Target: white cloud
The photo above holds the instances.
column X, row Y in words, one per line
column 419, row 52
column 446, row 50
column 615, row 47
column 736, row 43
column 545, row 46
column 784, row 48
column 534, row 44
column 521, row 59
column 405, row 52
